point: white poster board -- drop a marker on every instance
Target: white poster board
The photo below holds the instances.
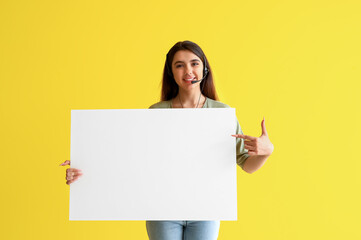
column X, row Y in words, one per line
column 154, row 164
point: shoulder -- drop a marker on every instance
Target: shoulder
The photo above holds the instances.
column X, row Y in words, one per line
column 162, row 104
column 216, row 104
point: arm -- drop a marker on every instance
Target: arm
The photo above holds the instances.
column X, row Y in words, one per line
column 253, row 163
column 259, row 149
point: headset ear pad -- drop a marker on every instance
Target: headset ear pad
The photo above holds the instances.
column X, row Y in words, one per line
column 205, row 71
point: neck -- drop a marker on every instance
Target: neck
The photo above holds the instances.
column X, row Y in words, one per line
column 190, row 99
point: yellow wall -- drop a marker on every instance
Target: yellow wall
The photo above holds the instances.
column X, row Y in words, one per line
column 295, row 62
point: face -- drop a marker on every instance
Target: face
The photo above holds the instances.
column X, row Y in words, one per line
column 187, row 66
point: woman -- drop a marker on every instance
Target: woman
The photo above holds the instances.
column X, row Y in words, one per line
column 188, row 83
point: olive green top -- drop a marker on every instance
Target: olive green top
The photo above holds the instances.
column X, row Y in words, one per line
column 242, row 153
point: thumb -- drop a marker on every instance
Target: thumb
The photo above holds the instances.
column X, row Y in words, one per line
column 264, row 131
column 67, row 162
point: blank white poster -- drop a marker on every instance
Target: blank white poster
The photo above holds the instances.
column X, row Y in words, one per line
column 154, row 164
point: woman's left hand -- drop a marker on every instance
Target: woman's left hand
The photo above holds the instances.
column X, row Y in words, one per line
column 257, row 145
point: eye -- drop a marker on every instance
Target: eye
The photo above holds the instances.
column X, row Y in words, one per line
column 195, row 64
column 178, row 66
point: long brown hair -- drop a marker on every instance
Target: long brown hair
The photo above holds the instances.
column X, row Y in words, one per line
column 169, row 86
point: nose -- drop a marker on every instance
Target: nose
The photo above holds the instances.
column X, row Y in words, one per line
column 189, row 69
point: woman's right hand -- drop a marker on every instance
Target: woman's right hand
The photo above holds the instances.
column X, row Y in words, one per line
column 72, row 174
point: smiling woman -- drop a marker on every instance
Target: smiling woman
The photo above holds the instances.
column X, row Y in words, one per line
column 188, row 83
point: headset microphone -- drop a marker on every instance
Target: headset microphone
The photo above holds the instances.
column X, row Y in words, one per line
column 195, row 81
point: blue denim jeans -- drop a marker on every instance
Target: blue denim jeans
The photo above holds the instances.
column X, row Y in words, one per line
column 183, row 230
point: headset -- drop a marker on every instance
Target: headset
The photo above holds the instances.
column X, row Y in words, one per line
column 205, row 69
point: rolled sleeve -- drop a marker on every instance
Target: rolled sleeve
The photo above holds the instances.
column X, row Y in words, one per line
column 241, row 152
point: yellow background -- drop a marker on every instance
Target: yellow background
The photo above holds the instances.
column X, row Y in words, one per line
column 295, row 62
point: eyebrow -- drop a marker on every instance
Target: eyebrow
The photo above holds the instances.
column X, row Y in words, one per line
column 193, row 60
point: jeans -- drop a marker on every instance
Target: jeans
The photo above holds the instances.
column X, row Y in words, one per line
column 183, row 230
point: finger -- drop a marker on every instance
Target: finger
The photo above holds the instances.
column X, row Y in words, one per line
column 73, row 174
column 249, row 147
column 70, row 174
column 264, row 131
column 249, row 144
column 75, row 170
column 70, row 181
column 244, row 136
column 67, row 162
column 69, row 177
column 70, row 171
column 238, row 135
column 74, row 177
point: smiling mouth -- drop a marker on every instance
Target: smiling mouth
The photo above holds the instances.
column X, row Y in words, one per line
column 190, row 79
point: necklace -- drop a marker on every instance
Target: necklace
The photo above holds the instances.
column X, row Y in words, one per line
column 197, row 103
